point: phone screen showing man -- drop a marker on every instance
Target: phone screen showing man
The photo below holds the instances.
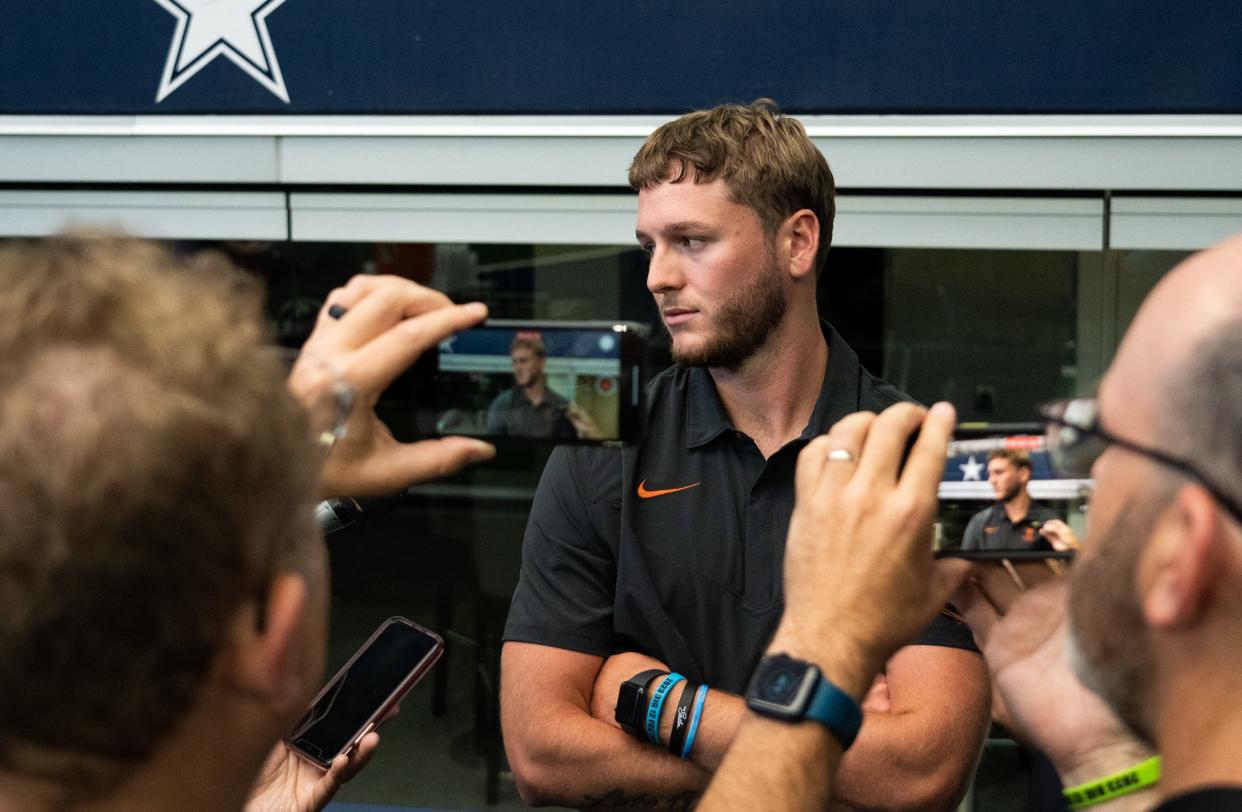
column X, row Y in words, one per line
column 999, row 493
column 532, row 382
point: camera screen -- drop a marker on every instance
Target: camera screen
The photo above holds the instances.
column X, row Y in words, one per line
column 999, row 491
column 558, row 384
column 332, row 722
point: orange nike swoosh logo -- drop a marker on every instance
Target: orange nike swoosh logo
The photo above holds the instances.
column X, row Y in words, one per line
column 646, row 494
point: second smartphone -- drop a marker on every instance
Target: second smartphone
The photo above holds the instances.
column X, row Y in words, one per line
column 365, row 690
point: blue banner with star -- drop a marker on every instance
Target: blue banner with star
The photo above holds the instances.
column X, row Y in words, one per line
column 640, row 56
column 974, row 467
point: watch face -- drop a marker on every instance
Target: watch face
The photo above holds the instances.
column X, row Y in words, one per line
column 627, row 704
column 780, row 682
column 782, row 687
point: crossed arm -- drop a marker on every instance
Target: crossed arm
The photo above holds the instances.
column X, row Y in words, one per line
column 561, row 754
column 917, row 747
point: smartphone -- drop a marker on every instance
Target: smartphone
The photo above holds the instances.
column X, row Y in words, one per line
column 1014, row 555
column 365, row 690
column 966, row 493
column 532, row 382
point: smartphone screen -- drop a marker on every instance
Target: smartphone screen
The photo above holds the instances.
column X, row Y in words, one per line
column 1001, row 499
column 542, row 382
column 355, row 700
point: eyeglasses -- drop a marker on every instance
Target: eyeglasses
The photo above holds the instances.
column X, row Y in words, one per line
column 1074, row 441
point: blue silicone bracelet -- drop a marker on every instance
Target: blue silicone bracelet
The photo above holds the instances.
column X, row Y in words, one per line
column 694, row 722
column 657, row 702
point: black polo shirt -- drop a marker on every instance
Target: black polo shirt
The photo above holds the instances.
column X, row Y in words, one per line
column 512, row 414
column 676, row 548
column 991, row 529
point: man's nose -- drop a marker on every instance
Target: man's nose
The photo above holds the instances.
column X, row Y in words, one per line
column 663, row 271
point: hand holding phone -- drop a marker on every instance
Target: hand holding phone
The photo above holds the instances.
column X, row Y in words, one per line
column 366, row 689
column 289, row 782
column 368, row 333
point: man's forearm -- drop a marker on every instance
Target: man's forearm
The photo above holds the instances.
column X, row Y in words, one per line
column 892, row 765
column 718, row 719
column 722, row 715
column 775, row 765
column 891, row 749
column 919, row 754
column 797, row 765
column 576, row 760
column 887, row 751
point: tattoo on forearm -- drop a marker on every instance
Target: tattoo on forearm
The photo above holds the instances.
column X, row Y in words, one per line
column 617, row 799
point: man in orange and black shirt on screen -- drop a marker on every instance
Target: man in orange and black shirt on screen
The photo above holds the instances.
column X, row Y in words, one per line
column 1012, row 522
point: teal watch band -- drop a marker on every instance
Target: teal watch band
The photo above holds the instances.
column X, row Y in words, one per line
column 793, row 690
column 835, row 710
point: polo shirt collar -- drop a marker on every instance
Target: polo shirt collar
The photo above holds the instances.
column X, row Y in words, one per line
column 705, row 414
column 840, row 393
column 706, row 418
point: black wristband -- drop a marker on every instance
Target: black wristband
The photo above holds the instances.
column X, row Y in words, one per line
column 681, row 718
column 632, row 701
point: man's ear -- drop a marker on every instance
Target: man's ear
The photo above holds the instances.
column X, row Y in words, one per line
column 266, row 644
column 1185, row 558
column 801, row 231
column 1024, row 474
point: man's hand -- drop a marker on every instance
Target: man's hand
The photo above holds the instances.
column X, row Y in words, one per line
column 614, row 671
column 1059, row 535
column 289, row 783
column 385, row 324
column 860, row 581
column 862, row 523
column 582, row 422
column 1025, row 649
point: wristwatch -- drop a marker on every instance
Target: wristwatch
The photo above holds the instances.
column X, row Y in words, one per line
column 792, row 690
column 631, row 710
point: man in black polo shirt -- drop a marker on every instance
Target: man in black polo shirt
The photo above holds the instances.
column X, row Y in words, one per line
column 1012, row 522
column 669, row 555
column 529, row 408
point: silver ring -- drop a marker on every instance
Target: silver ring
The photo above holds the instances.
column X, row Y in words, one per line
column 840, row 455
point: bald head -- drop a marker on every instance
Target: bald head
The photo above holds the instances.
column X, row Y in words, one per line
column 1195, row 307
column 1191, row 302
column 1175, row 380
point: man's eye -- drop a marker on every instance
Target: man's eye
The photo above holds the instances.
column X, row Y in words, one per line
column 693, row 242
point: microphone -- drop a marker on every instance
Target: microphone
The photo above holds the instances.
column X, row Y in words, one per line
column 333, row 515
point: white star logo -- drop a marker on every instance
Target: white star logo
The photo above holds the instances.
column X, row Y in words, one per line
column 236, row 29
column 972, row 470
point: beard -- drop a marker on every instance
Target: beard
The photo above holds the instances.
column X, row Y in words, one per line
column 1109, row 648
column 1011, row 494
column 743, row 322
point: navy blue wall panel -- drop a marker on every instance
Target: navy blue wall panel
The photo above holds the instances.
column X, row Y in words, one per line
column 641, row 56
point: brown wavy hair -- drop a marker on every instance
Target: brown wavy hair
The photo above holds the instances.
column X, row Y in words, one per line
column 764, row 157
